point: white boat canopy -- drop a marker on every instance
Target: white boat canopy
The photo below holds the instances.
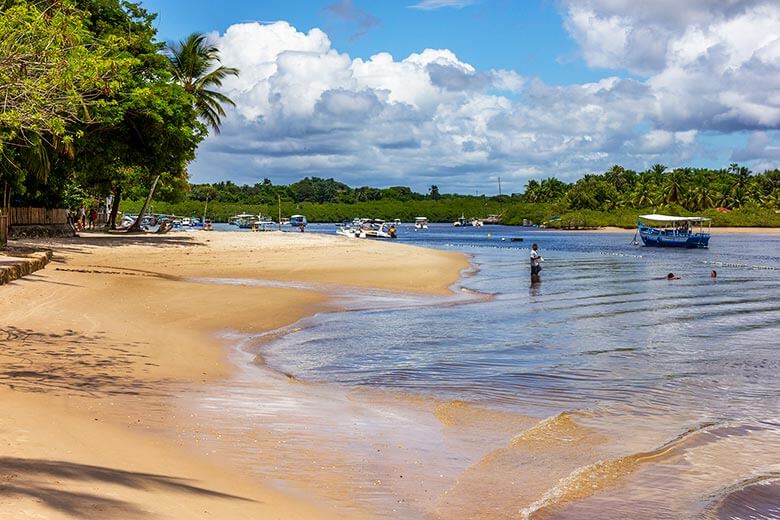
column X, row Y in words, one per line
column 668, row 218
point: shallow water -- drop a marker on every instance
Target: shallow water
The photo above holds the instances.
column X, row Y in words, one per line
column 604, row 391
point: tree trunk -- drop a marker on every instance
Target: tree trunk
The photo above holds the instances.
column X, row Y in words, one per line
column 6, row 202
column 114, row 207
column 137, row 224
column 5, row 215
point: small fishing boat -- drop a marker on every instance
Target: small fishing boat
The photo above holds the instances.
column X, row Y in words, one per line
column 298, row 221
column 672, row 231
column 263, row 224
column 461, row 222
column 347, row 230
column 236, row 220
column 376, row 229
column 421, row 223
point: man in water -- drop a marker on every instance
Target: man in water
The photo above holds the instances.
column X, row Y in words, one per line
column 536, row 261
column 672, row 276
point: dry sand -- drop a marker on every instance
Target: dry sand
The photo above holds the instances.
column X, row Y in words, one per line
column 93, row 347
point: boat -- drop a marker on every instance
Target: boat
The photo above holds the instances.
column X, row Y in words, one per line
column 253, row 222
column 263, row 224
column 475, row 222
column 493, row 219
column 298, row 221
column 236, row 219
column 376, row 229
column 672, row 231
column 420, row 223
column 348, row 230
column 397, row 222
column 461, row 222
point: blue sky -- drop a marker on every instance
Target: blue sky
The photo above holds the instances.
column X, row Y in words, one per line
column 528, row 37
column 516, row 89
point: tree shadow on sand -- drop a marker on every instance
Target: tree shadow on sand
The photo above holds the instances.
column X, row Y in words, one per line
column 72, row 363
column 45, row 481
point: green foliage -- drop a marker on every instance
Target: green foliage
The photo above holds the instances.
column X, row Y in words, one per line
column 614, row 198
column 53, row 70
column 196, row 66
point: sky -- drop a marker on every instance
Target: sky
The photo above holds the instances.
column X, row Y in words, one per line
column 460, row 93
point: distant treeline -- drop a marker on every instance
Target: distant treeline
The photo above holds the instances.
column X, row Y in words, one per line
column 732, row 196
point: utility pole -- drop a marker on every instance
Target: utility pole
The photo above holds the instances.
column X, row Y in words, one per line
column 499, row 186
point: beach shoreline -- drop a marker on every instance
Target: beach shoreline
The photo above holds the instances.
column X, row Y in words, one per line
column 99, row 342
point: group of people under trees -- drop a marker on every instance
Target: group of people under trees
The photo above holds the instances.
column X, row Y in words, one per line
column 84, row 220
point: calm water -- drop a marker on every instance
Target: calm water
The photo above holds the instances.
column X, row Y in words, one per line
column 603, row 392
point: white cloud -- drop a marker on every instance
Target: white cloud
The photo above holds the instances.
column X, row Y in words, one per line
column 304, row 108
column 711, row 65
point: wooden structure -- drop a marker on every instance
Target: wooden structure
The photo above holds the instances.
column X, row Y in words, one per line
column 37, row 217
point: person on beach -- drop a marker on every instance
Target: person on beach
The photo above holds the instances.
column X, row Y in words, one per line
column 82, row 218
column 536, row 263
column 92, row 218
column 672, row 276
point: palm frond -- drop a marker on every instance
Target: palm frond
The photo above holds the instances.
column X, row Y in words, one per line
column 196, row 66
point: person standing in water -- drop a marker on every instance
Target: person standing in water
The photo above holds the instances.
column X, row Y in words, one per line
column 536, row 263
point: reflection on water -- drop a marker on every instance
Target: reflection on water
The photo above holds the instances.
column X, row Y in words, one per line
column 604, row 391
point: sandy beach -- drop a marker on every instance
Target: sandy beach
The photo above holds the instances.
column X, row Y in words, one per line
column 96, row 344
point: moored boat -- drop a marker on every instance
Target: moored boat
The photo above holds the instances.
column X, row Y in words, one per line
column 421, row 223
column 673, row 231
column 235, row 220
column 298, row 221
column 376, row 229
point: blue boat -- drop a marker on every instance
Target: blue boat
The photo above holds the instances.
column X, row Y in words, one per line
column 670, row 231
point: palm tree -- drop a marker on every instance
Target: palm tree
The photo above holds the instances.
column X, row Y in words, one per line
column 741, row 188
column 197, row 66
column 702, row 198
column 674, row 186
column 657, row 170
column 531, row 192
column 772, row 201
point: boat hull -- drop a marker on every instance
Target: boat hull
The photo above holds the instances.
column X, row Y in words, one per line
column 654, row 238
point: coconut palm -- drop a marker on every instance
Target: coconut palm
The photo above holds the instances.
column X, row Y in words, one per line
column 772, row 201
column 197, row 66
column 674, row 186
column 702, row 197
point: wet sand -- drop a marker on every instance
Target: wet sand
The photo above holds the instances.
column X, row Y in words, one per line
column 97, row 347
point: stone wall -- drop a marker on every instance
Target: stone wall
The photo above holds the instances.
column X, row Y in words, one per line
column 41, row 231
column 14, row 264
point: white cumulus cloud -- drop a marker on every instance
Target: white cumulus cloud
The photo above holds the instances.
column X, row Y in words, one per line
column 305, row 108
